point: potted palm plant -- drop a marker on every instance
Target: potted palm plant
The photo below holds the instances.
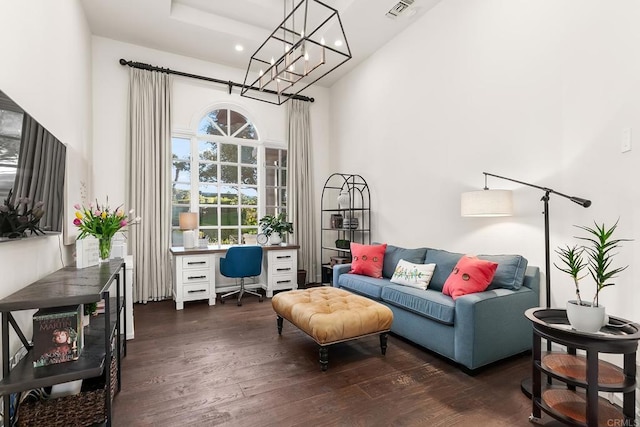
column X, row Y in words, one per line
column 275, row 227
column 597, row 257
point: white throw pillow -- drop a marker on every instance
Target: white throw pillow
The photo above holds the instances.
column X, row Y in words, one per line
column 414, row 275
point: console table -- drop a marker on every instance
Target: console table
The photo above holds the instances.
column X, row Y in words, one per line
column 196, row 277
column 578, row 403
column 71, row 286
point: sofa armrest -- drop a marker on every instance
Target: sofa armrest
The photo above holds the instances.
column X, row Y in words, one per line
column 339, row 269
column 491, row 325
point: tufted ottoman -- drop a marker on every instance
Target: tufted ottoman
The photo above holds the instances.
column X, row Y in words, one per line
column 330, row 315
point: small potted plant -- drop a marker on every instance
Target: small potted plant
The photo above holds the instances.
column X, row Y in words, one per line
column 597, row 257
column 275, row 227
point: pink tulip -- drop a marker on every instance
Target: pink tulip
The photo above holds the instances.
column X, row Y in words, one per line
column 97, row 213
column 77, row 222
column 77, row 206
column 123, row 223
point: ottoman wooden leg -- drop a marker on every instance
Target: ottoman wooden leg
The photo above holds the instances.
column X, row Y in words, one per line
column 324, row 357
column 279, row 320
column 383, row 343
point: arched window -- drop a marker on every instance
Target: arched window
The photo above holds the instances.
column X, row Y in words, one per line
column 226, row 174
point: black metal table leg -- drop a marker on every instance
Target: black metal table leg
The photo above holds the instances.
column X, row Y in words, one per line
column 279, row 320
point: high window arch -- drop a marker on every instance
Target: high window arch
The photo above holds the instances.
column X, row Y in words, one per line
column 225, row 173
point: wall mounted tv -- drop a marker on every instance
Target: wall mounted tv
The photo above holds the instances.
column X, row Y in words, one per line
column 32, row 166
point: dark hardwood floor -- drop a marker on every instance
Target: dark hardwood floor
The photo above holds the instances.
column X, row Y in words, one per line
column 226, row 365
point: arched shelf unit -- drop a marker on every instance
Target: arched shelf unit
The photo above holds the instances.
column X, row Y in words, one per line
column 345, row 222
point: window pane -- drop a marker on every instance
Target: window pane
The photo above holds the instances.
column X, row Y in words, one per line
column 282, row 197
column 228, row 174
column 248, row 132
column 283, row 158
column 214, row 123
column 208, row 216
column 249, row 155
column 212, row 234
column 180, row 148
column 207, row 150
column 207, row 172
column 271, row 176
column 229, row 236
column 249, row 175
column 175, row 214
column 208, row 194
column 181, row 171
column 249, row 196
column 237, row 121
column 249, row 216
column 271, row 197
column 283, row 180
column 229, row 196
column 181, row 194
column 176, row 238
column 271, row 210
column 229, row 216
column 229, row 153
column 271, row 156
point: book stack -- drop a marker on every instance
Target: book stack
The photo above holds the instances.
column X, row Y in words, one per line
column 57, row 335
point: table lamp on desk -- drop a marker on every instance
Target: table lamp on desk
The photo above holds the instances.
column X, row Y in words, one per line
column 189, row 224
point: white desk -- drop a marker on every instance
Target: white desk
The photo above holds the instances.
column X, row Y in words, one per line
column 196, row 274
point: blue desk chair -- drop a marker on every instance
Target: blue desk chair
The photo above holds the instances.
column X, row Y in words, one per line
column 240, row 262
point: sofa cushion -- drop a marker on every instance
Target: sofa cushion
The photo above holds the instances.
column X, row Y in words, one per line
column 470, row 275
column 444, row 261
column 367, row 259
column 428, row 303
column 368, row 286
column 415, row 275
column 393, row 254
column 510, row 272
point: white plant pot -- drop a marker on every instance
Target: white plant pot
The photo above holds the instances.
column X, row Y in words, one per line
column 275, row 239
column 586, row 318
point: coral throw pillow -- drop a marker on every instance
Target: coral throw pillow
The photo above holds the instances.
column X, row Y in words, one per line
column 367, row 260
column 470, row 275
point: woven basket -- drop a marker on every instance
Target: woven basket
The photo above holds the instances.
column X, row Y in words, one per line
column 83, row 409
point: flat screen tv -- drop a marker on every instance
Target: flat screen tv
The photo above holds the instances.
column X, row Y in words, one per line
column 32, row 168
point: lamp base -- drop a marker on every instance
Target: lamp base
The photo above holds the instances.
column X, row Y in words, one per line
column 189, row 239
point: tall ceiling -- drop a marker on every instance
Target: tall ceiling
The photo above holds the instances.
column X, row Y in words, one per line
column 210, row 29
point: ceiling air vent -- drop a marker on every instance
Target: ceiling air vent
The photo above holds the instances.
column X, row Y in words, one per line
column 399, row 8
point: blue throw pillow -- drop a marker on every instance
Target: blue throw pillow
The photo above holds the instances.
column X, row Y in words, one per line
column 445, row 262
column 393, row 254
column 510, row 272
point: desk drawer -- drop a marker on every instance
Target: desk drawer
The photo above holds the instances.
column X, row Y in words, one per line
column 283, row 281
column 195, row 291
column 195, row 261
column 195, row 276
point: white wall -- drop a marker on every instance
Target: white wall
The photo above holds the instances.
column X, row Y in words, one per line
column 46, row 69
column 538, row 91
column 191, row 99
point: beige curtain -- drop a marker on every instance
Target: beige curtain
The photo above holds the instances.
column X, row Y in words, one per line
column 300, row 197
column 149, row 178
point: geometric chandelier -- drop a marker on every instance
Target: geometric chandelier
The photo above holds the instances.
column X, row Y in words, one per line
column 307, row 45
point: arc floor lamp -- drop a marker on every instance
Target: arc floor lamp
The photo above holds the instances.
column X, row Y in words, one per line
column 485, row 203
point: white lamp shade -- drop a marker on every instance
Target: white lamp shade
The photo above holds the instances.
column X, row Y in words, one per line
column 188, row 220
column 486, row 203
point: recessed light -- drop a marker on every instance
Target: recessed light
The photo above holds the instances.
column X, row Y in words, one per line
column 239, row 48
column 338, row 43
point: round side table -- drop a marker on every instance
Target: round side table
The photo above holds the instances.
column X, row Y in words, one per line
column 584, row 374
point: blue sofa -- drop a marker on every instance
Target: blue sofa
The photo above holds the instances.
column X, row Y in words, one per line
column 475, row 329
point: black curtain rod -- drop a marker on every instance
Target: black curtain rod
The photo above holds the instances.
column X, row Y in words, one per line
column 229, row 83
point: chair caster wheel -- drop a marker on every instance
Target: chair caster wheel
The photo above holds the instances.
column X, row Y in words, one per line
column 261, row 299
column 221, row 301
column 239, row 304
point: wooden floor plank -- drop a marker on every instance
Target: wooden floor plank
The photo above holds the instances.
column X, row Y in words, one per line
column 226, row 365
